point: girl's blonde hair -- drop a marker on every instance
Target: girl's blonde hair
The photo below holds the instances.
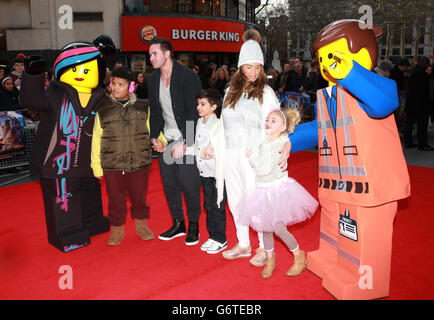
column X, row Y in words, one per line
column 292, row 118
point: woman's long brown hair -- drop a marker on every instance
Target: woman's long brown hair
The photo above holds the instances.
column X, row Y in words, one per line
column 236, row 88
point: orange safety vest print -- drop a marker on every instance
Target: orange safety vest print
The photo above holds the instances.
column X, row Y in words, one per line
column 360, row 158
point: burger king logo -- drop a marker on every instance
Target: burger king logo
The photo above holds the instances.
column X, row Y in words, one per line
column 147, row 33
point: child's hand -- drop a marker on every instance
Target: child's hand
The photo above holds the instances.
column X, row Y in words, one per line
column 158, row 145
column 248, row 153
column 99, row 178
column 207, row 152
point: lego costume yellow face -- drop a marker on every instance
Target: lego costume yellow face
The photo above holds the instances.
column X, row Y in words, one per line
column 82, row 77
column 336, row 60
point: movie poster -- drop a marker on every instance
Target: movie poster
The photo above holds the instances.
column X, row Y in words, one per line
column 11, row 133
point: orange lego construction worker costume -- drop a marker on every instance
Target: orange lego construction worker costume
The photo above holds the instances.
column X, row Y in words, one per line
column 362, row 170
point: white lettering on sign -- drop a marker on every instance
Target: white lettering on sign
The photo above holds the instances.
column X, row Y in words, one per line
column 208, row 35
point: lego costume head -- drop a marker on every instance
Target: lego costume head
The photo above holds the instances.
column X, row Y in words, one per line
column 342, row 42
column 81, row 64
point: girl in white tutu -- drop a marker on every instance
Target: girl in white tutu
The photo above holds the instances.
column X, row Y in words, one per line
column 278, row 200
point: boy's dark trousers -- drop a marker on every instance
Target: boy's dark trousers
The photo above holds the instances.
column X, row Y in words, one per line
column 73, row 211
column 119, row 185
column 180, row 177
column 215, row 216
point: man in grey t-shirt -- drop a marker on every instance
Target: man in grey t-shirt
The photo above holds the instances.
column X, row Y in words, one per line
column 172, row 94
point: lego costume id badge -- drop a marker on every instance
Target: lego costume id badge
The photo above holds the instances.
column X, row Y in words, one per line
column 348, row 226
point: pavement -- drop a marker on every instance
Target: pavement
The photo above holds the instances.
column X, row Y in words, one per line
column 413, row 156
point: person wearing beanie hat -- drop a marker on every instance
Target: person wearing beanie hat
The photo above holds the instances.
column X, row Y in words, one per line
column 246, row 104
column 251, row 52
column 62, row 149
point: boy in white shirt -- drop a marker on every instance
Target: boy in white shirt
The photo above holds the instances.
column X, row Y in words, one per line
column 209, row 106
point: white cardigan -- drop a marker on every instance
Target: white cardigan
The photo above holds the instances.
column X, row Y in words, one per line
column 217, row 135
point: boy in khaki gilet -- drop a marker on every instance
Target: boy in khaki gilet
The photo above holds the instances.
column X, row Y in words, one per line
column 121, row 152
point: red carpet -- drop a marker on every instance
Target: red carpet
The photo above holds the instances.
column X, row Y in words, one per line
column 29, row 266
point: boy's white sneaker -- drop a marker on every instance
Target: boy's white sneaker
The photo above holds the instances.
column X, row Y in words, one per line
column 216, row 247
column 206, row 244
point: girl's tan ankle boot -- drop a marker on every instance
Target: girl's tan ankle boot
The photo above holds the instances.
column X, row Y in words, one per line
column 267, row 272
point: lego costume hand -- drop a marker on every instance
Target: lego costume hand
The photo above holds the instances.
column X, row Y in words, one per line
column 34, row 65
column 341, row 67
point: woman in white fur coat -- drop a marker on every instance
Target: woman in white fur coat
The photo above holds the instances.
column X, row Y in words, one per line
column 247, row 102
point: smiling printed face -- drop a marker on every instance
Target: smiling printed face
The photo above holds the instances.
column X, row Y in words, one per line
column 83, row 77
column 328, row 60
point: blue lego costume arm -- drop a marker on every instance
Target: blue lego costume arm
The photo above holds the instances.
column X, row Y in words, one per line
column 305, row 135
column 378, row 95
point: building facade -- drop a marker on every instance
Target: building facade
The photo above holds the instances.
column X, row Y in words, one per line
column 200, row 30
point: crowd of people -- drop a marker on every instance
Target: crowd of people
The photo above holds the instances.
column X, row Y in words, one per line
column 240, row 148
column 415, row 84
column 295, row 76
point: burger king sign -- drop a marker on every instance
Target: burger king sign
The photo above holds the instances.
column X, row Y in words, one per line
column 147, row 33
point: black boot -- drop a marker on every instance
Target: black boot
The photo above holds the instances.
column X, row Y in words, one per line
column 193, row 234
column 177, row 230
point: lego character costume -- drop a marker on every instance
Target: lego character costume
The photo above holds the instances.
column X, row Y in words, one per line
column 62, row 148
column 362, row 170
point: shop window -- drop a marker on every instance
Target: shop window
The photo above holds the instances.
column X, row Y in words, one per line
column 183, row 6
column 242, row 9
column 141, row 6
column 161, row 6
column 420, row 51
column 204, row 7
column 408, row 51
column 219, row 8
column 249, row 11
column 232, row 9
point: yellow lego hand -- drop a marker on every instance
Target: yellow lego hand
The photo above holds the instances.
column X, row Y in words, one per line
column 341, row 67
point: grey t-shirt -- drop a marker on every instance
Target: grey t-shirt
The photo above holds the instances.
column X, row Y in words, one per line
column 170, row 130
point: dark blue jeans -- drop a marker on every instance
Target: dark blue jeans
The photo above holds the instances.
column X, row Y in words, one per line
column 215, row 216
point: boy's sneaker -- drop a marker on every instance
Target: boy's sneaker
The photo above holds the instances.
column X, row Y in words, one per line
column 206, row 244
column 216, row 247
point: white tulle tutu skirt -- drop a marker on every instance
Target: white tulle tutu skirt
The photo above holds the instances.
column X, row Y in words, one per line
column 287, row 203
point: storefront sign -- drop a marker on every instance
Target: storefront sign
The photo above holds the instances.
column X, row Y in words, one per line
column 185, row 34
column 147, row 33
column 204, row 35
